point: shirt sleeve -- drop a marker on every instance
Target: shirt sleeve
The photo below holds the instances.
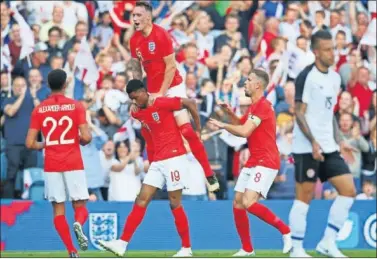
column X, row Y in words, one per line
column 35, row 121
column 81, row 114
column 170, row 104
column 166, row 44
column 302, row 93
column 4, row 103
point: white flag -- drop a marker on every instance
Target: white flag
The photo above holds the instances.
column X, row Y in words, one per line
column 125, row 132
column 85, row 63
column 5, row 58
column 369, row 37
column 27, row 36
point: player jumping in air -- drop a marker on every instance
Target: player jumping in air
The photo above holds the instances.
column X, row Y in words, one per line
column 258, row 125
column 151, row 46
column 64, row 127
column 170, row 165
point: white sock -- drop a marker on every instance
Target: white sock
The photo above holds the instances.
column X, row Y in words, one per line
column 297, row 222
column 123, row 243
column 338, row 215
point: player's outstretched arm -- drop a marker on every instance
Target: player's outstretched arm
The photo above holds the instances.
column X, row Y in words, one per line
column 234, row 120
column 243, row 131
column 85, row 134
column 31, row 140
column 191, row 106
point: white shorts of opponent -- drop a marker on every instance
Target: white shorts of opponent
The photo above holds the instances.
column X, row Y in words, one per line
column 173, row 172
column 66, row 186
column 258, row 179
column 177, row 91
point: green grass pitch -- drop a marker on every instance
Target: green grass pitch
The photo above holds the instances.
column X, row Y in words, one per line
column 163, row 254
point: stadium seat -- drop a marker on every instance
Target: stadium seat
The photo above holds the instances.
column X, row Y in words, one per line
column 4, row 163
column 36, row 191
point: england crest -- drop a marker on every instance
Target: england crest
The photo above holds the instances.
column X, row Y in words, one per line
column 151, row 46
column 155, row 116
column 102, row 226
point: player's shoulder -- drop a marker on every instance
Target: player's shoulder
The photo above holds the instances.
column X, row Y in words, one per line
column 305, row 72
column 333, row 74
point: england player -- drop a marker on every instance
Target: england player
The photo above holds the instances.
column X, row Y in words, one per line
column 258, row 125
column 170, row 165
column 63, row 124
column 151, row 46
column 316, row 141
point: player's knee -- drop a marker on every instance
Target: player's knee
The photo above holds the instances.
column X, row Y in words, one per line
column 348, row 191
column 305, row 195
column 187, row 131
column 248, row 200
column 142, row 201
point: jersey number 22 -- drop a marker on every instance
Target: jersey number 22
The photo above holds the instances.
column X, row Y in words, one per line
column 62, row 140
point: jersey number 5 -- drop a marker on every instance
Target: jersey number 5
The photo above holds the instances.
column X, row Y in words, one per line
column 62, row 140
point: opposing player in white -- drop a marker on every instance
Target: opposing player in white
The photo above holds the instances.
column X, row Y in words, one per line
column 316, row 142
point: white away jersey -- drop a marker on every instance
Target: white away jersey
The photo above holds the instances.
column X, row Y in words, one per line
column 320, row 92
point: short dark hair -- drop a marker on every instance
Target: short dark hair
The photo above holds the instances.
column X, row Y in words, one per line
column 262, row 75
column 321, row 12
column 300, row 37
column 134, row 85
column 341, row 32
column 320, row 35
column 55, row 28
column 146, row 5
column 56, row 79
column 307, row 23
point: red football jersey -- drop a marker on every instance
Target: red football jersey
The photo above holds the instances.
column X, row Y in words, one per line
column 262, row 142
column 159, row 120
column 151, row 51
column 59, row 117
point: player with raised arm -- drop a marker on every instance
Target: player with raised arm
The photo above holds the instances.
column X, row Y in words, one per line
column 258, row 125
column 170, row 165
column 151, row 47
column 63, row 124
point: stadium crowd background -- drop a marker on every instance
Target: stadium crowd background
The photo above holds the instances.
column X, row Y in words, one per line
column 217, row 44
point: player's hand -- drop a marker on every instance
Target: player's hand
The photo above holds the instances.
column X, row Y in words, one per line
column 317, row 152
column 212, row 196
column 199, row 134
column 225, row 107
column 216, row 123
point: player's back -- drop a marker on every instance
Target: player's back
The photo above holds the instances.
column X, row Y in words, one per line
column 59, row 118
column 262, row 142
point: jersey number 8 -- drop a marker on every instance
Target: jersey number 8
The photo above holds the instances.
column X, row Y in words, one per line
column 55, row 123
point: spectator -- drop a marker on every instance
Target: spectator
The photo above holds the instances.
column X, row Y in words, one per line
column 290, row 28
column 107, row 159
column 320, row 17
column 56, row 62
column 191, row 64
column 15, row 43
column 191, row 82
column 369, row 165
column 231, row 35
column 208, row 101
column 5, row 22
column 54, row 38
column 360, row 89
column 36, row 28
column 125, row 181
column 41, row 91
column 369, row 191
column 91, row 158
column 347, row 105
column 17, row 110
column 38, row 60
column 67, row 31
column 4, row 85
column 244, row 65
column 336, row 26
column 352, row 133
column 104, row 33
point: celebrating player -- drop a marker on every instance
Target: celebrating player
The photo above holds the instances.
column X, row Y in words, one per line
column 316, row 148
column 152, row 47
column 64, row 127
column 170, row 165
column 258, row 125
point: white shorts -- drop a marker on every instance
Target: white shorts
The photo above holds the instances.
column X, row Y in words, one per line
column 66, row 186
column 258, row 179
column 177, row 91
column 172, row 172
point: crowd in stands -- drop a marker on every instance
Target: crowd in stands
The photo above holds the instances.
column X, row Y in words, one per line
column 217, row 44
